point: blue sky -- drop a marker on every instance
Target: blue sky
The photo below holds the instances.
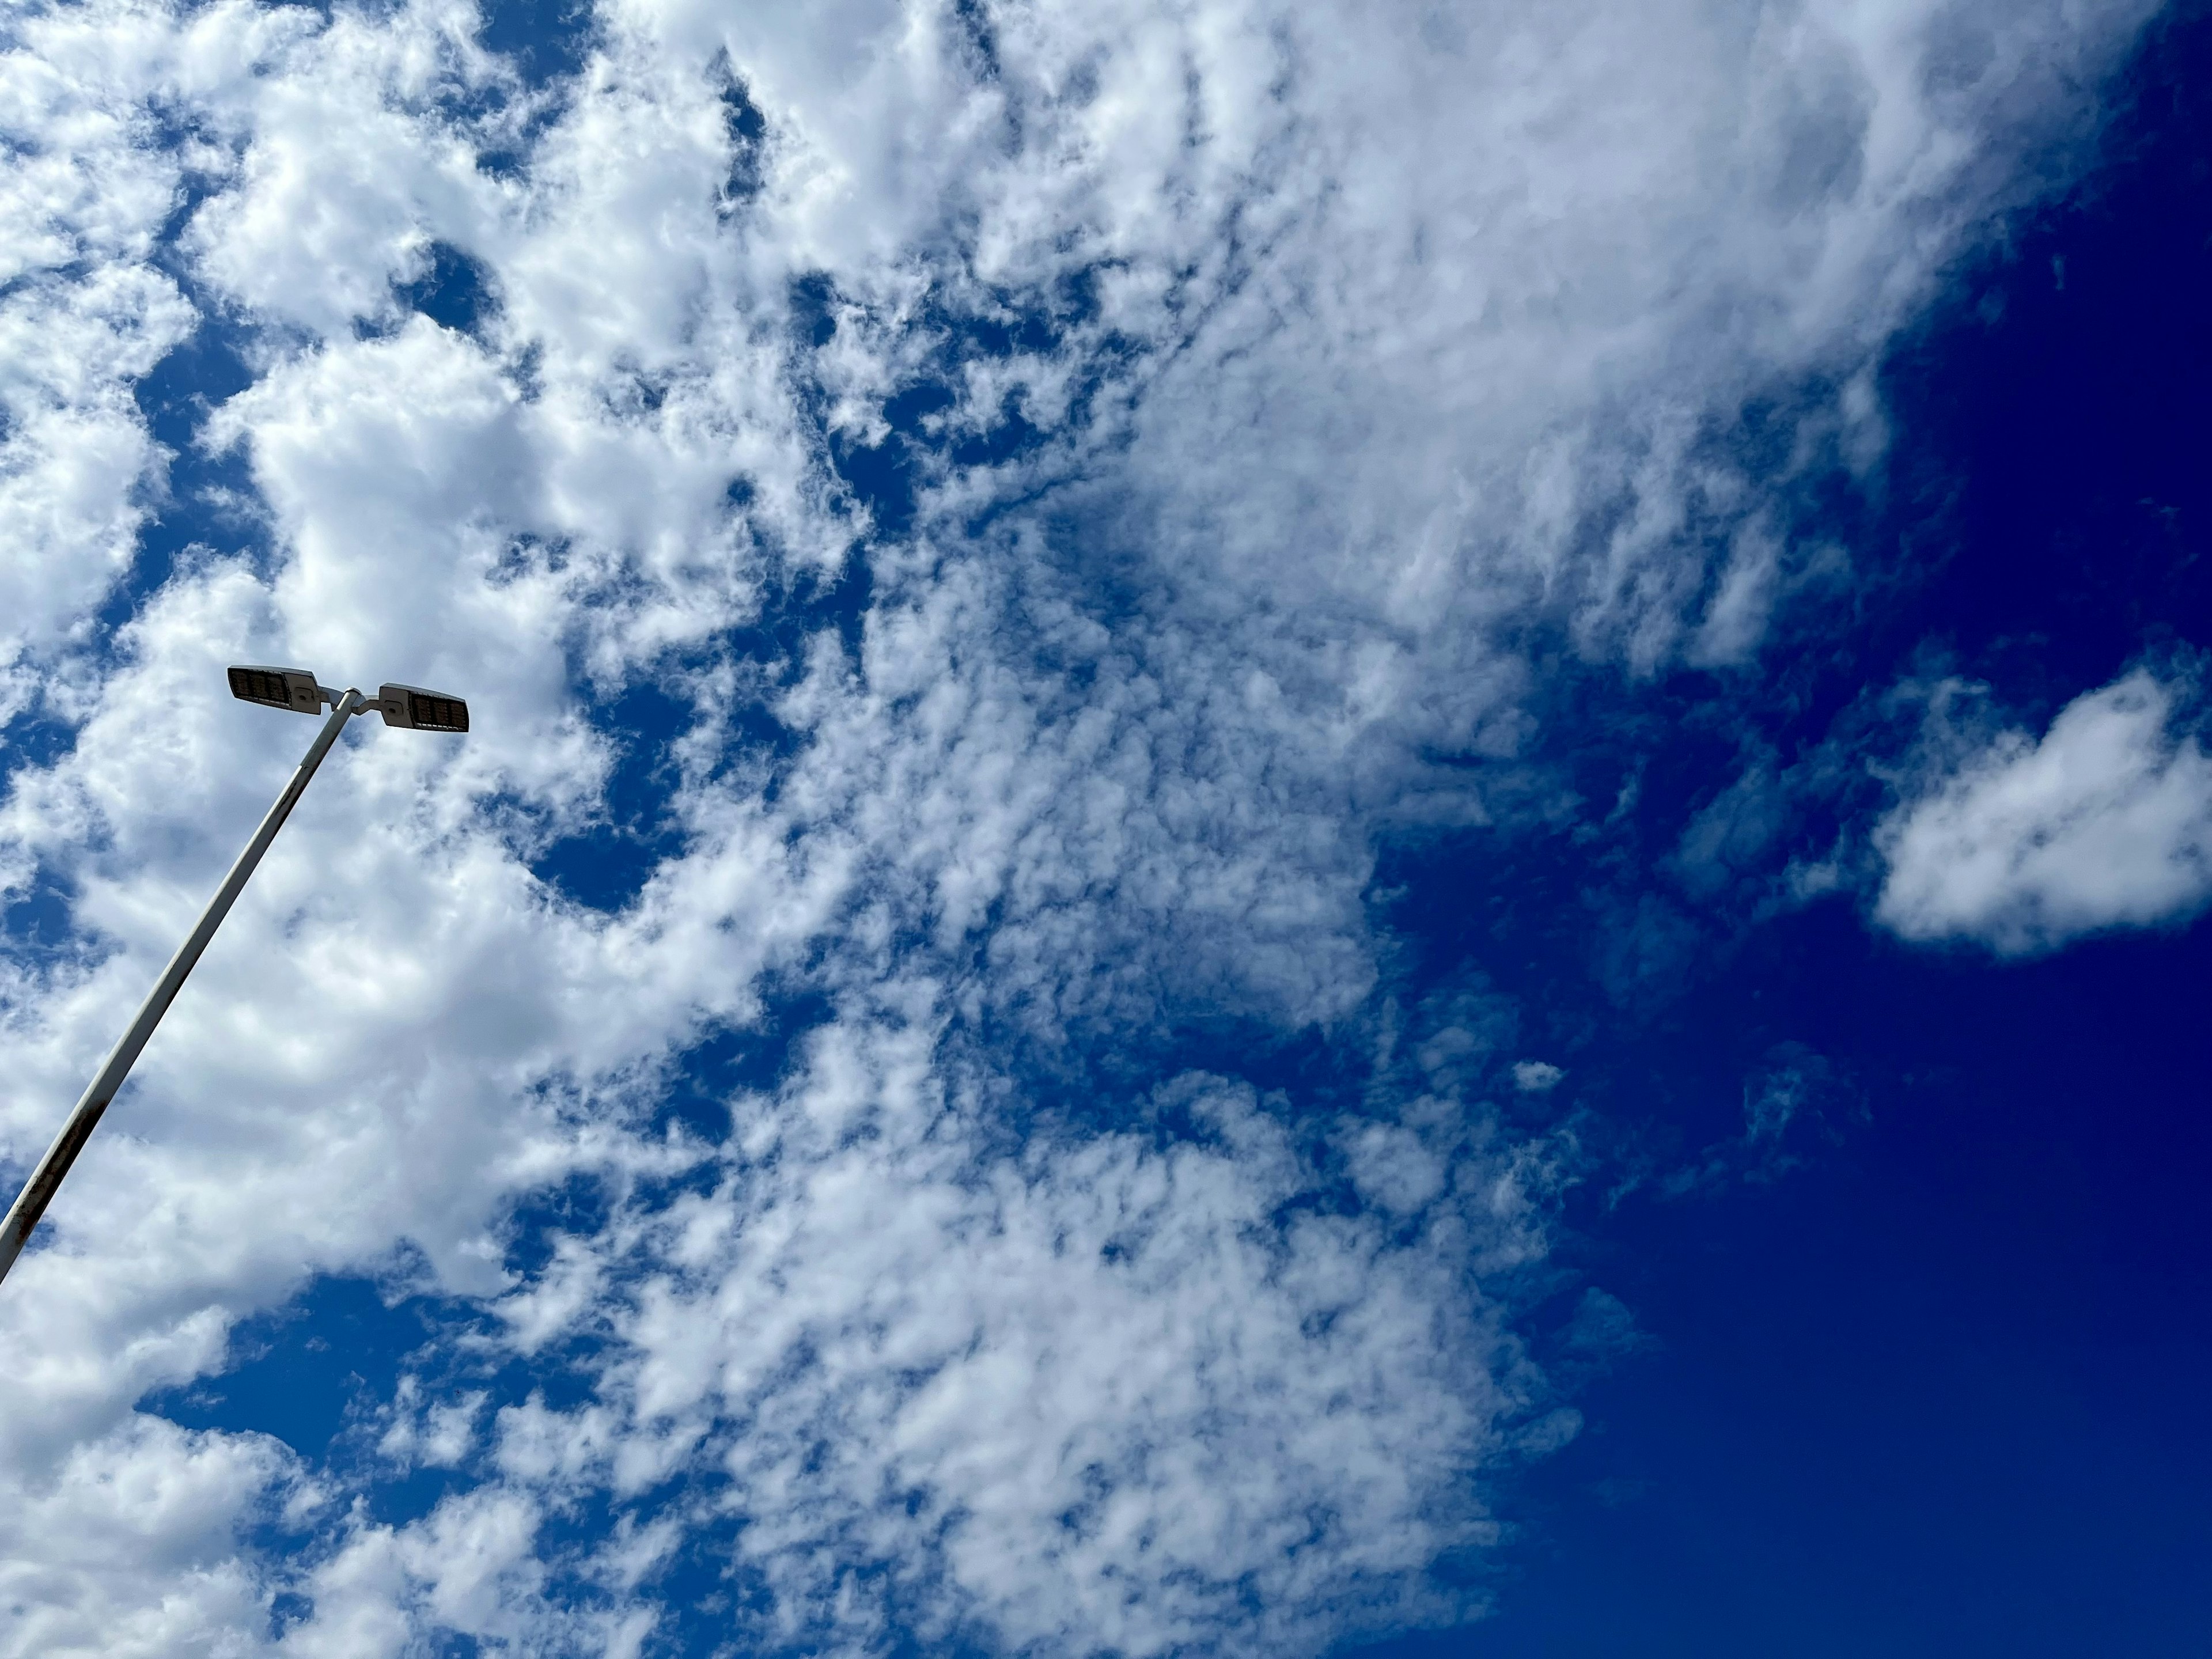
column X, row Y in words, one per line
column 1290, row 830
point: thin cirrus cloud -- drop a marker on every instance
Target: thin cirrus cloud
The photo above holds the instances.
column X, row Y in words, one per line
column 1238, row 404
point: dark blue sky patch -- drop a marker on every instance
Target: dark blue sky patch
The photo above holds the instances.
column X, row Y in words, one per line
column 880, row 477
column 608, row 865
column 745, row 129
column 1010, row 433
column 753, row 1059
column 324, row 1375
column 1000, row 323
column 452, row 290
column 179, row 130
column 394, row 1496
column 197, row 503
column 813, row 300
column 1933, row 1395
column 34, row 738
column 546, row 40
column 576, row 1207
column 35, row 921
column 299, row 1372
column 2055, row 407
column 206, row 369
column 774, row 646
column 883, row 477
column 604, row 868
column 287, row 1609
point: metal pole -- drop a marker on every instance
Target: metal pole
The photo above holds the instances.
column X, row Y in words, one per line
column 38, row 1191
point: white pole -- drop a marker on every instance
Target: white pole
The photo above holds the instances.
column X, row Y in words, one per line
column 38, row 1191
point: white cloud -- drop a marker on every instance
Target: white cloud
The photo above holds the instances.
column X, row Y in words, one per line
column 81, row 1547
column 82, row 314
column 1387, row 352
column 1112, row 1395
column 2104, row 822
column 347, row 170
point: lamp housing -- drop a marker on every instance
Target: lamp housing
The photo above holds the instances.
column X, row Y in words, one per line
column 420, row 710
column 294, row 688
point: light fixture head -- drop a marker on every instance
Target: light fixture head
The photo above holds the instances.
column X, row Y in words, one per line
column 418, row 710
column 277, row 688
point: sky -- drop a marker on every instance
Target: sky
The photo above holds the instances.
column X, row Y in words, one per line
column 1302, row 830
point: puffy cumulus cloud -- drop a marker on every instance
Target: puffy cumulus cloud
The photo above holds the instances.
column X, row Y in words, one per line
column 152, row 1503
column 83, row 313
column 1078, row 476
column 2024, row 843
column 345, row 164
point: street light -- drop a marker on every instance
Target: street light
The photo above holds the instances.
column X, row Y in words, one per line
column 292, row 689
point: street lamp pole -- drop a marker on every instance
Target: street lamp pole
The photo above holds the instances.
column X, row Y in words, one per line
column 292, row 689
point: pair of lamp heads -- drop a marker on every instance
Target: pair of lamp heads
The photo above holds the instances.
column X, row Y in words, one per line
column 295, row 689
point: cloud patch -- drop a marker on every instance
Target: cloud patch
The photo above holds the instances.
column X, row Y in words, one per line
column 2104, row 822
